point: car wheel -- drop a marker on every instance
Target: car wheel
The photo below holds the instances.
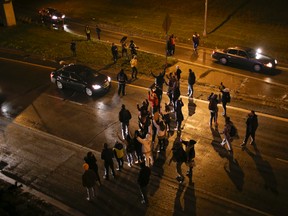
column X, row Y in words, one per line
column 257, row 67
column 59, row 85
column 223, row 61
column 88, row 91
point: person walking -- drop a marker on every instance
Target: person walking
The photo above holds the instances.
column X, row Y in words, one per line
column 213, row 108
column 133, row 64
column 146, row 148
column 88, row 32
column 114, row 50
column 91, row 160
column 107, row 156
column 89, row 180
column 124, row 118
column 98, row 31
column 73, row 48
column 179, row 114
column 143, row 181
column 251, row 127
column 122, row 79
column 191, row 82
column 190, row 152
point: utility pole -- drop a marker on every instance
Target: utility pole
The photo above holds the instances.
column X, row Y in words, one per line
column 205, row 19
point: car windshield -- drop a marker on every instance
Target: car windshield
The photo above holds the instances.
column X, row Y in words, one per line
column 251, row 53
column 87, row 73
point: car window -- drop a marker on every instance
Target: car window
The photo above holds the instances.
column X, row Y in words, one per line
column 65, row 74
column 232, row 51
column 242, row 53
column 74, row 76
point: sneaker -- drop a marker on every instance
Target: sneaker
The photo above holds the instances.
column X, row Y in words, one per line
column 136, row 162
column 243, row 144
column 88, row 198
column 129, row 164
column 117, row 168
column 143, row 201
column 158, row 150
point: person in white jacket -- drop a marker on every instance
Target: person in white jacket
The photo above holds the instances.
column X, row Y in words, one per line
column 146, row 148
column 161, row 134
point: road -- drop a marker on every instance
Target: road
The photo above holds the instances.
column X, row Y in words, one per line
column 51, row 131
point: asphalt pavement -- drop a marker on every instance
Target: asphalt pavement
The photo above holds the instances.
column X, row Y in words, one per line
column 51, row 166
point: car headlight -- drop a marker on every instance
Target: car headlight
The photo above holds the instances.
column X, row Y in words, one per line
column 270, row 65
column 54, row 17
column 109, row 79
column 96, row 87
column 276, row 62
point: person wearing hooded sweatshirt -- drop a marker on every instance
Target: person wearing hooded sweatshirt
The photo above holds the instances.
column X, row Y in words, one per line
column 146, row 148
column 107, row 156
column 89, row 179
column 119, row 154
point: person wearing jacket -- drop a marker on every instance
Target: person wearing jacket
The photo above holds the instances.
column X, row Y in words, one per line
column 133, row 64
column 122, row 80
column 213, row 108
column 190, row 152
column 251, row 127
column 161, row 134
column 107, row 156
column 191, row 82
column 124, row 118
column 89, row 179
column 146, row 148
column 119, row 154
column 143, row 181
column 179, row 114
column 91, row 160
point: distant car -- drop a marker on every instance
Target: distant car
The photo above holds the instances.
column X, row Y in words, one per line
column 80, row 78
column 244, row 56
column 51, row 16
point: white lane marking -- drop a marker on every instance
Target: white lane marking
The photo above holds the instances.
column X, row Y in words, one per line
column 28, row 63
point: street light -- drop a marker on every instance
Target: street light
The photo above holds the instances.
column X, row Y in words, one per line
column 205, row 18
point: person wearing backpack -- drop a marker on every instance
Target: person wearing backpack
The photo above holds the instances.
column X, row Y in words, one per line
column 122, row 79
column 124, row 118
column 226, row 132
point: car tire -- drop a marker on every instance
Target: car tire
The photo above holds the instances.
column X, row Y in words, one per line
column 89, row 92
column 59, row 85
column 257, row 67
column 223, row 61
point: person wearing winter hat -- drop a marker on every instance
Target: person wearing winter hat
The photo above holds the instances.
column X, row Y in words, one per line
column 89, row 179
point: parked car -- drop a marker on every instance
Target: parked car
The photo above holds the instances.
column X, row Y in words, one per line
column 244, row 56
column 80, row 78
column 51, row 16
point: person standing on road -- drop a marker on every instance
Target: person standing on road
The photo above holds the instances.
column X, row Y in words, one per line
column 107, row 156
column 119, row 154
column 226, row 132
column 196, row 41
column 124, row 118
column 179, row 156
column 88, row 32
column 251, row 127
column 124, row 49
column 179, row 114
column 191, row 82
column 133, row 64
column 98, row 31
column 133, row 47
column 91, row 160
column 190, row 152
column 225, row 98
column 122, row 79
column 143, row 181
column 178, row 72
column 213, row 108
column 89, row 180
column 73, row 48
column 114, row 50
column 146, row 148
column 159, row 79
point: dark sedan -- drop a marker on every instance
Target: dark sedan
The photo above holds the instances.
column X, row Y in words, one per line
column 51, row 16
column 244, row 56
column 80, row 78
